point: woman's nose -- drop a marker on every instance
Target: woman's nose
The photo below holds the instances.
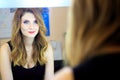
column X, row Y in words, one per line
column 31, row 26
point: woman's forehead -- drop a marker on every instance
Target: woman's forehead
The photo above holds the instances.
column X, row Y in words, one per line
column 28, row 15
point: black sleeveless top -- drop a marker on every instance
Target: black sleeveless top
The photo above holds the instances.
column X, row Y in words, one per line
column 21, row 73
column 102, row 67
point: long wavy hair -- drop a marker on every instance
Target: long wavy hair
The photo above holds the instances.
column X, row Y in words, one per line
column 40, row 43
column 93, row 25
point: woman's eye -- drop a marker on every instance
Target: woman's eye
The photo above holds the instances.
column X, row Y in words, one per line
column 35, row 22
column 26, row 22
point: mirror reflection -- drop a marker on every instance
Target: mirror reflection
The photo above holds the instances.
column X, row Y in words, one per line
column 29, row 25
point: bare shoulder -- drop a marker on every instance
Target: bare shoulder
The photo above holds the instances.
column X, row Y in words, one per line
column 49, row 50
column 5, row 46
column 5, row 49
column 4, row 54
column 5, row 62
column 64, row 74
column 49, row 47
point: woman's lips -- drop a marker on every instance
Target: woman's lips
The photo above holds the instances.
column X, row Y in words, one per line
column 31, row 32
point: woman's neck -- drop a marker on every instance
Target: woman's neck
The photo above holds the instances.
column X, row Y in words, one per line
column 28, row 46
column 28, row 41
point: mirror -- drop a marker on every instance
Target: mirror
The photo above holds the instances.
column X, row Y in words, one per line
column 57, row 22
column 57, row 17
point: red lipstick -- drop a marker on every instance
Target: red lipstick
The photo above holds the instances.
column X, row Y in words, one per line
column 31, row 32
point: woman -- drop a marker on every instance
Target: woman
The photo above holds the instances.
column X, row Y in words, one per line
column 92, row 41
column 27, row 56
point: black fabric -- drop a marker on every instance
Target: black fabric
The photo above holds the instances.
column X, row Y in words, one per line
column 99, row 68
column 20, row 73
column 10, row 45
column 58, row 64
column 35, row 73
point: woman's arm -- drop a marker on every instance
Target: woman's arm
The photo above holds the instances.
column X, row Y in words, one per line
column 49, row 70
column 64, row 74
column 5, row 63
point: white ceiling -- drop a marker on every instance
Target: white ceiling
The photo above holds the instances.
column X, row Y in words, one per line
column 33, row 3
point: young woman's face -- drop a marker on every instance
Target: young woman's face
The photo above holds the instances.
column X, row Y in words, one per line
column 29, row 26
